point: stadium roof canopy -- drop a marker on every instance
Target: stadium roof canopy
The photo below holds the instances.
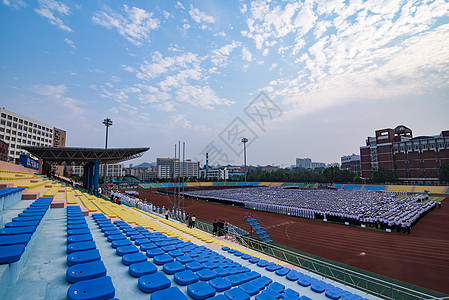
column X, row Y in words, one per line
column 82, row 156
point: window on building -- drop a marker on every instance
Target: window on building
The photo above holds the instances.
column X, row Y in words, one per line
column 39, row 126
column 14, row 125
column 20, row 121
column 9, row 117
column 3, row 115
column 8, row 130
column 3, row 122
column 19, row 140
column 33, row 143
column 15, row 119
column 25, row 122
column 14, row 132
column 29, row 136
column 35, row 125
column 11, row 152
column 30, row 129
column 2, row 129
column 8, row 124
column 13, row 139
column 20, row 127
column 29, row 142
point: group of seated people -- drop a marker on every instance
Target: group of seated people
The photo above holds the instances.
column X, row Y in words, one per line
column 366, row 208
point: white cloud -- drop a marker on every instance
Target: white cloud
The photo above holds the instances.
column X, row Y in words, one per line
column 246, row 54
column 50, row 8
column 56, row 94
column 164, row 106
column 135, row 25
column 200, row 96
column 16, row 4
column 199, row 16
column 219, row 57
column 70, row 43
column 179, row 5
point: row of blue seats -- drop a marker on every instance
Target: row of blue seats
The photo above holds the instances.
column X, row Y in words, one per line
column 86, row 270
column 9, row 196
column 15, row 236
column 203, row 271
column 258, row 229
column 316, row 285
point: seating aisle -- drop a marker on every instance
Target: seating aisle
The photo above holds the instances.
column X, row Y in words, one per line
column 42, row 276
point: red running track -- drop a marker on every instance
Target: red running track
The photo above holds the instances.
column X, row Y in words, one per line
column 420, row 258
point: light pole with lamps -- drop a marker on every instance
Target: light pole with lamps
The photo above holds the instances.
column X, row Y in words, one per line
column 244, row 141
column 107, row 122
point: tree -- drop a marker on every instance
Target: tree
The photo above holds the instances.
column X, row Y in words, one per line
column 383, row 175
column 444, row 172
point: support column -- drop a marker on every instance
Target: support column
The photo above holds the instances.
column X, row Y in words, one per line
column 96, row 173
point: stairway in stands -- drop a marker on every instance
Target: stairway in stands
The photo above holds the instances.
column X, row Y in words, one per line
column 257, row 228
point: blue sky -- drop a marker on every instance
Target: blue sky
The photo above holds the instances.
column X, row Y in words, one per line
column 297, row 78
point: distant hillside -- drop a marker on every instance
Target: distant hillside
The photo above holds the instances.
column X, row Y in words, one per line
column 145, row 165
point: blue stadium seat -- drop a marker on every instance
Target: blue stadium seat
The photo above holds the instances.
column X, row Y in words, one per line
column 304, row 280
column 142, row 268
column 268, row 295
column 200, row 290
column 162, row 259
column 249, row 288
column 273, row 267
column 79, row 238
column 22, row 224
column 185, row 277
column 154, row 252
column 283, row 271
column 194, row 266
column 121, row 243
column 293, row 275
column 147, row 246
column 97, row 288
column 153, row 282
column 317, row 286
column 15, row 239
column 129, row 259
column 167, row 294
column 236, row 293
column 81, row 246
column 116, row 237
column 220, row 284
column 254, row 260
column 277, row 287
column 184, row 259
column 81, row 257
column 78, row 231
column 173, row 267
column 122, row 250
column 206, row 274
column 86, row 271
column 11, row 253
column 17, row 230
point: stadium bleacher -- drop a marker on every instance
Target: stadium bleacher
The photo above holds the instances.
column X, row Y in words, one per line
column 96, row 249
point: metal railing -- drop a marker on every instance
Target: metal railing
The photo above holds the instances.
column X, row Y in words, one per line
column 360, row 281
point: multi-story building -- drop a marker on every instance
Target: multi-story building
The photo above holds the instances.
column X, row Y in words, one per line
column 113, row 170
column 304, row 163
column 172, row 168
column 218, row 174
column 351, row 163
column 17, row 130
column 316, row 165
column 415, row 160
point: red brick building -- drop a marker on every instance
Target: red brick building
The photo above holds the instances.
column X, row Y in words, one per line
column 415, row 160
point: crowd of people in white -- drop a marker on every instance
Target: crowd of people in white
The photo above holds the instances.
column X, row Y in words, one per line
column 367, row 208
column 131, row 198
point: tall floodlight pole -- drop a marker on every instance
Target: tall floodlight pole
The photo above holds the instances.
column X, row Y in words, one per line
column 107, row 122
column 244, row 141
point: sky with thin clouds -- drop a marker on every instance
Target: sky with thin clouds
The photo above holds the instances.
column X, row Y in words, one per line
column 297, row 78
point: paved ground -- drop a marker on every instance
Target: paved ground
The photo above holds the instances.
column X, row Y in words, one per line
column 419, row 258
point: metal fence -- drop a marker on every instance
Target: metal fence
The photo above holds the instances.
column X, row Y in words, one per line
column 360, row 281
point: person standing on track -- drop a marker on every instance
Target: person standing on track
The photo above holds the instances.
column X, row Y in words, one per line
column 192, row 221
